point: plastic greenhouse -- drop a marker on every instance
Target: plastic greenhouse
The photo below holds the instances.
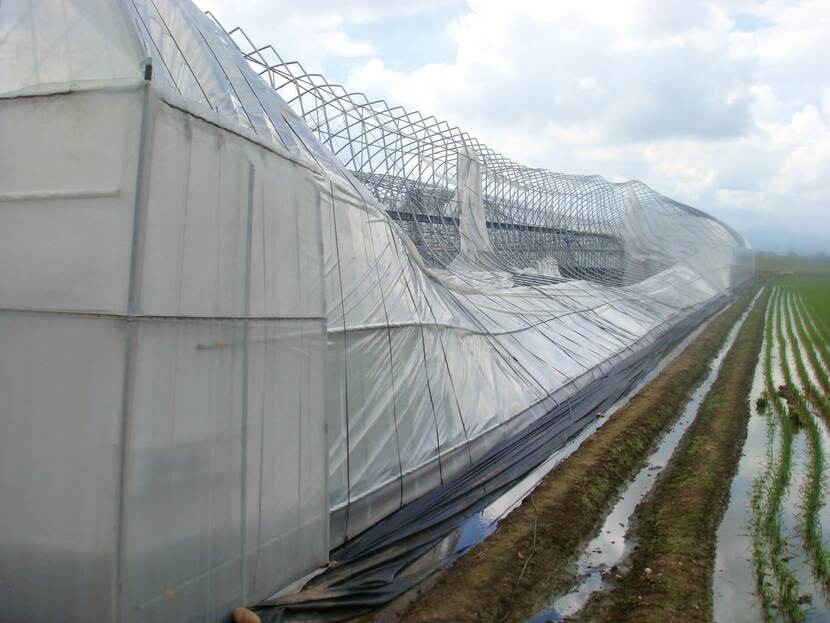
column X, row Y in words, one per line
column 245, row 314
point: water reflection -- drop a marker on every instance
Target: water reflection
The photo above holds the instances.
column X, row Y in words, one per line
column 734, row 593
column 607, row 552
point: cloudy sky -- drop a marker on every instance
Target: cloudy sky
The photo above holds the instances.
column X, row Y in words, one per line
column 721, row 105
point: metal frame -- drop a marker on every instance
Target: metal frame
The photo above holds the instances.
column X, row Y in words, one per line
column 408, row 162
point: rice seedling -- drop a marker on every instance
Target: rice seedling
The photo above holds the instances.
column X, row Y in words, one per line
column 811, row 347
column 769, row 546
column 812, row 495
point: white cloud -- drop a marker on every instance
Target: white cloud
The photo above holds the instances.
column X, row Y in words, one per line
column 338, row 43
column 673, row 93
column 806, row 141
column 311, row 31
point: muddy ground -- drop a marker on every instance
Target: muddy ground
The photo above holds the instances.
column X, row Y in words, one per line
column 670, row 577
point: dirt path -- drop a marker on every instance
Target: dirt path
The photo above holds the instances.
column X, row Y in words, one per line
column 671, row 572
column 515, row 572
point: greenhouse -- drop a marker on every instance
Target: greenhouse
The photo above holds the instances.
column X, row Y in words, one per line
column 247, row 315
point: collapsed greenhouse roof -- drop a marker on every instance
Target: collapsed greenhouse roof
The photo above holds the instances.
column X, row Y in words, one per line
column 261, row 313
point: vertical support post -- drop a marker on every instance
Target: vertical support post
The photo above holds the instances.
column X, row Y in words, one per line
column 133, row 302
column 245, row 363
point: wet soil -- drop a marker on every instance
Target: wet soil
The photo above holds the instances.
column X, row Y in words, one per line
column 734, row 593
column 670, row 577
column 607, row 554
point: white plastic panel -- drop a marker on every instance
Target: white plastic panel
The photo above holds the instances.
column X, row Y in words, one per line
column 420, row 430
column 205, row 185
column 60, row 399
column 287, row 505
column 224, row 491
column 374, row 437
column 183, row 496
column 66, row 200
column 213, row 416
column 472, row 226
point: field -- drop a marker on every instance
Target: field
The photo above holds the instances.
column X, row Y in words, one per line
column 702, row 498
column 796, row 407
column 776, row 263
column 771, row 542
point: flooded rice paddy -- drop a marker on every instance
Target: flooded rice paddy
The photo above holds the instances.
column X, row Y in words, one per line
column 772, row 545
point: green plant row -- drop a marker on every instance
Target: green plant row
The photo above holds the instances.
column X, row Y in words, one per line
column 760, row 547
column 815, row 293
column 788, row 589
column 819, row 339
column 812, row 497
column 768, row 539
column 816, row 397
column 812, row 344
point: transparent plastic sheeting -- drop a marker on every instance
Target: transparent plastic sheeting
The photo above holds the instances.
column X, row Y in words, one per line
column 484, row 289
column 245, row 314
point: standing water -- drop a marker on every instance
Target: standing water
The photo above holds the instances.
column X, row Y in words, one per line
column 734, row 579
column 734, row 591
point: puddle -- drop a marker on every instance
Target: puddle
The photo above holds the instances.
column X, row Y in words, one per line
column 734, row 597
column 610, row 548
column 800, row 564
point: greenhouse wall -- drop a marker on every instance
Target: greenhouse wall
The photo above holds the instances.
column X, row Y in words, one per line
column 162, row 354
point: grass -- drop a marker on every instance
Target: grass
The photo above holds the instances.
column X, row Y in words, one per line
column 775, row 263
